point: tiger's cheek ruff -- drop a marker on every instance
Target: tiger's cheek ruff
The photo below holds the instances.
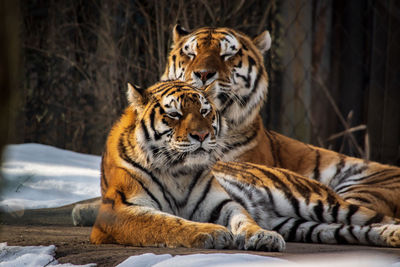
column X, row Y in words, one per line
column 152, row 137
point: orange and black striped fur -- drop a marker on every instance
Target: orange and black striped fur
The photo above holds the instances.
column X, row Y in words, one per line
column 156, row 183
column 303, row 210
column 159, row 187
column 235, row 62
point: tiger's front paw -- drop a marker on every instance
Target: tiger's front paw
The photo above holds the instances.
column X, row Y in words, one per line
column 261, row 240
column 391, row 234
column 213, row 236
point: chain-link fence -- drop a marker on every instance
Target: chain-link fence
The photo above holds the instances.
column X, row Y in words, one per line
column 325, row 65
column 338, row 85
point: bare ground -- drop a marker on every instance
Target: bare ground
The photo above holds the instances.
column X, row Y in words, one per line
column 54, row 226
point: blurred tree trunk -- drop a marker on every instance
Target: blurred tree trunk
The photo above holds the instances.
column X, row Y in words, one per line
column 9, row 63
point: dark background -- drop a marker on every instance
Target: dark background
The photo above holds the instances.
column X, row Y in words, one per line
column 334, row 67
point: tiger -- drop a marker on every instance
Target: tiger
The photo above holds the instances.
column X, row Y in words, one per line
column 159, row 187
column 234, row 61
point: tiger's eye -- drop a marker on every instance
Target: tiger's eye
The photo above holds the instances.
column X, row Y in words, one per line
column 174, row 114
column 226, row 56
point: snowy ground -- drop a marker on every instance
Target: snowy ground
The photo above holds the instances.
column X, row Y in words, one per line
column 39, row 176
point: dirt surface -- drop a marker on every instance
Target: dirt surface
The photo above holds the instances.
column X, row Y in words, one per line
column 54, row 226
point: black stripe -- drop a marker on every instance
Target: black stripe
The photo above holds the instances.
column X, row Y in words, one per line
column 152, row 120
column 335, row 211
column 246, row 98
column 123, row 198
column 174, row 63
column 272, row 146
column 319, row 240
column 108, row 201
column 339, row 166
column 245, row 142
column 366, row 235
column 371, row 175
column 236, row 198
column 295, row 203
column 351, row 228
column 378, row 196
column 149, row 193
column 244, row 78
column 340, row 239
column 331, row 198
column 144, row 188
column 318, row 189
column 216, row 212
column 376, row 219
column 125, row 157
column 359, row 199
column 145, row 131
column 270, row 196
column 353, row 170
column 227, row 218
column 279, row 226
column 222, row 97
column 352, row 210
column 308, row 237
column 201, row 199
column 276, row 148
column 279, row 184
column 103, row 182
column 293, row 230
column 383, row 179
column 252, row 63
column 161, row 86
column 317, row 174
column 190, row 189
column 304, row 191
column 319, row 211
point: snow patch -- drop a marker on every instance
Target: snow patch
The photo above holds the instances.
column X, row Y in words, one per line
column 39, row 176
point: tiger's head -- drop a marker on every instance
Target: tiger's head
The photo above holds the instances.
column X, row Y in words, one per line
column 177, row 125
column 231, row 59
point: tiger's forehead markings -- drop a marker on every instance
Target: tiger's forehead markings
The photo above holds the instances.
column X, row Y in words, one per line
column 170, row 102
column 225, row 40
column 177, row 98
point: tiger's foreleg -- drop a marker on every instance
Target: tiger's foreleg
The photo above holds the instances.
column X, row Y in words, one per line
column 299, row 230
column 128, row 215
column 145, row 226
column 247, row 233
column 282, row 193
column 303, row 210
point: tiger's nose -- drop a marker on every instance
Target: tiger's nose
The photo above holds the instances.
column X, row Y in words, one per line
column 199, row 136
column 204, row 75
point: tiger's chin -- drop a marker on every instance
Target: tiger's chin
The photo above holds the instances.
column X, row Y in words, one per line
column 199, row 158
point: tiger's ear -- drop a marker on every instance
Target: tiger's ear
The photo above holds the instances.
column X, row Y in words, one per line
column 212, row 90
column 178, row 32
column 137, row 97
column 263, row 41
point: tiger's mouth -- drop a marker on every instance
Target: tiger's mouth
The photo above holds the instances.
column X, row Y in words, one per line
column 193, row 148
column 200, row 150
